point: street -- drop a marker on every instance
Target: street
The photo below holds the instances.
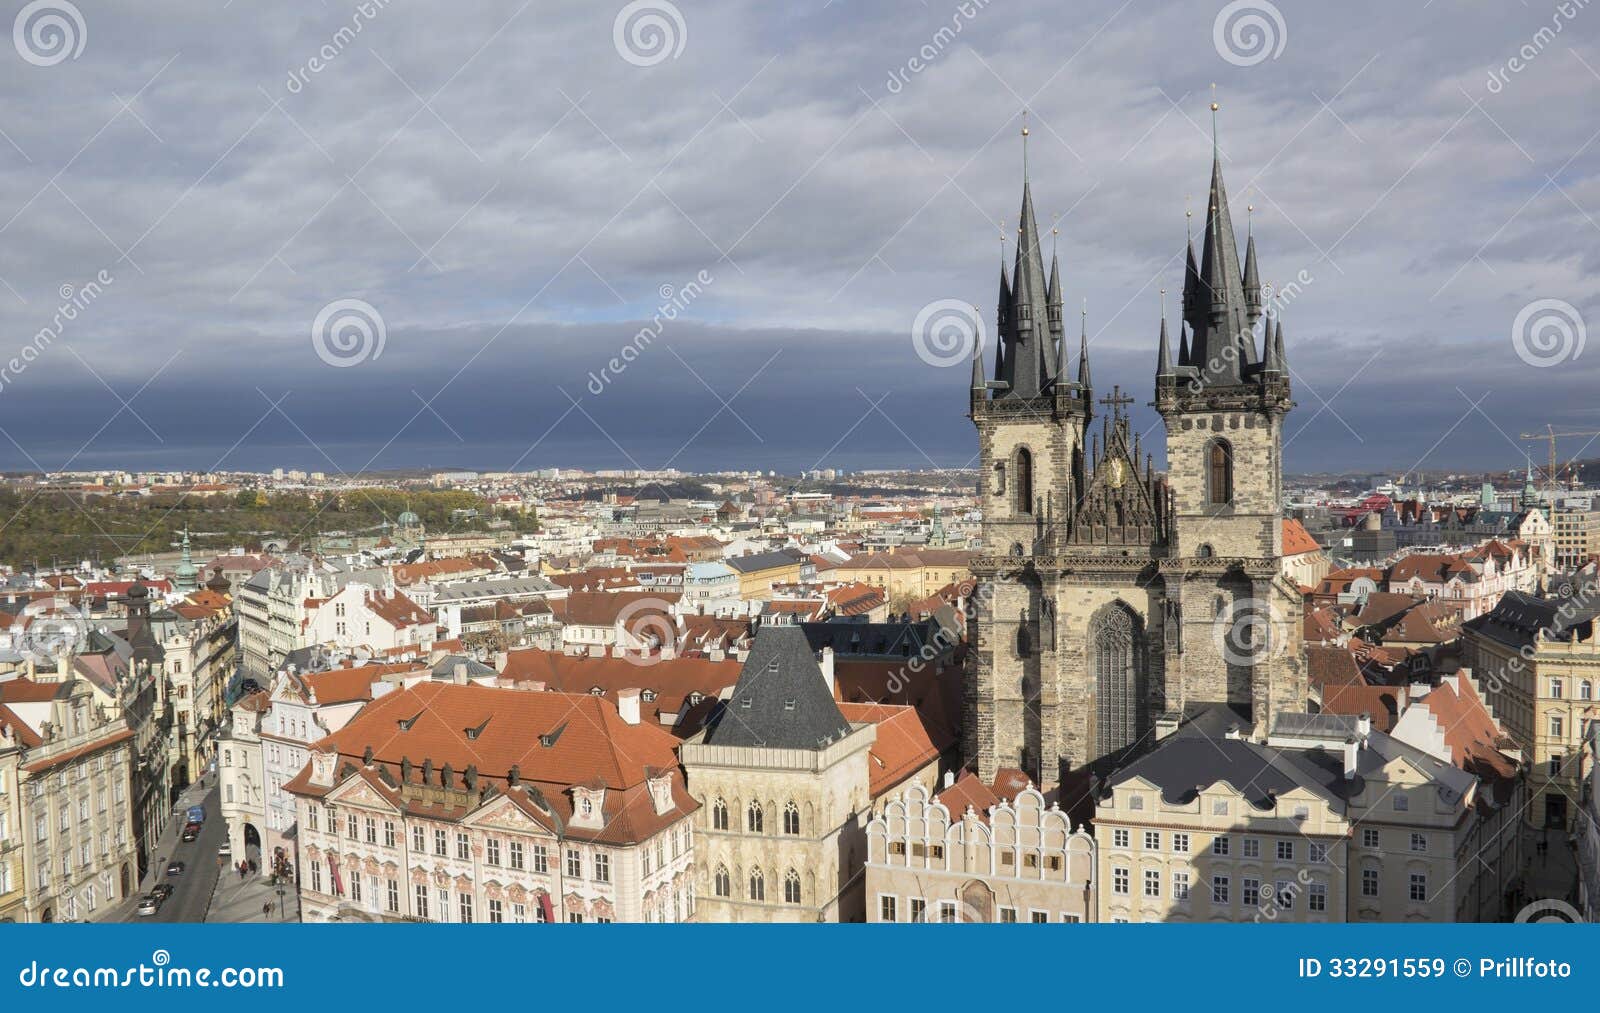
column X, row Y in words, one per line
column 191, row 892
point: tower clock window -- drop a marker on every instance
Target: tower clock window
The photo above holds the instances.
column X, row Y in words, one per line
column 1219, row 473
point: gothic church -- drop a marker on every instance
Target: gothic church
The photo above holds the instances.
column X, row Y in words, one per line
column 1118, row 600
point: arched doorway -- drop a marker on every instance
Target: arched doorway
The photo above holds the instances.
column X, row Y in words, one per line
column 126, row 880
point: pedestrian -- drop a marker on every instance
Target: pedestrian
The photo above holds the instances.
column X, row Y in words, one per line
column 266, row 909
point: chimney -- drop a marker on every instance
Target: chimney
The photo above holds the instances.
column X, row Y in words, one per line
column 1351, row 748
column 460, row 673
column 1235, row 732
column 1364, row 725
column 501, row 659
column 827, row 667
column 628, row 705
column 949, row 778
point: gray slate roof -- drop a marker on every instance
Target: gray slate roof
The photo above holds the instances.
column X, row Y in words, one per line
column 781, row 700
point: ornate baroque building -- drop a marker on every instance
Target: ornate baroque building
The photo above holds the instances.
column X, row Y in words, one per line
column 1118, row 598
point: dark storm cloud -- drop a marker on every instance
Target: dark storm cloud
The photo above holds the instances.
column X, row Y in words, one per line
column 513, row 196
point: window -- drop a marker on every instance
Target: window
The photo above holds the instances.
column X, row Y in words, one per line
column 1219, row 807
column 1419, row 842
column 441, row 846
column 1136, row 802
column 463, row 847
column 393, row 895
column 371, row 828
column 1219, row 845
column 541, row 858
column 496, row 911
column 1039, row 917
column 574, row 863
column 1252, row 892
column 1285, row 895
column 1251, row 847
column 1556, row 688
column 311, row 816
column 1119, row 838
column 791, row 820
column 1119, row 881
column 1369, row 882
column 1022, row 488
column 491, row 851
column 1180, row 886
column 465, row 907
column 919, row 909
column 355, row 886
column 758, row 885
column 388, row 833
column 350, row 826
column 418, row 841
column 316, row 876
column 443, row 897
column 947, row 912
column 752, row 818
column 719, row 815
column 514, row 854
column 1317, row 897
column 1369, row 838
column 1180, row 844
column 1419, row 886
column 791, row 888
column 1285, row 851
column 1008, row 915
column 886, row 908
column 1152, row 882
column 1402, row 803
column 1557, row 726
column 1219, row 889
column 722, row 886
column 1219, row 473
column 1116, row 639
column 1316, row 853
column 421, row 901
column 1586, row 690
column 1152, row 840
column 602, row 868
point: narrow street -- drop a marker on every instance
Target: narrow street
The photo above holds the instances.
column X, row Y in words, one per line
column 191, row 891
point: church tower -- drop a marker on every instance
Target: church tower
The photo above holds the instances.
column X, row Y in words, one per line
column 1114, row 601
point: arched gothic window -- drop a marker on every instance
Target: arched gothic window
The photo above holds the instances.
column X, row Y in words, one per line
column 723, row 885
column 791, row 819
column 753, row 818
column 1023, row 483
column 719, row 815
column 791, row 887
column 1219, row 472
column 758, row 885
column 1114, row 643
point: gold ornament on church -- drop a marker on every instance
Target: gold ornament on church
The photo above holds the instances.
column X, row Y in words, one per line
column 1116, row 472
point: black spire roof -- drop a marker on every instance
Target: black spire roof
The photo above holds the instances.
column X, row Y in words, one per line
column 1223, row 342
column 781, row 700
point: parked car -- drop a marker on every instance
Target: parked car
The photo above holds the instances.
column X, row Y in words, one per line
column 226, row 851
column 161, row 891
column 197, row 814
column 174, row 868
column 190, row 832
column 149, row 904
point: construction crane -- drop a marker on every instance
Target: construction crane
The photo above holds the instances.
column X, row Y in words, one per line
column 1550, row 436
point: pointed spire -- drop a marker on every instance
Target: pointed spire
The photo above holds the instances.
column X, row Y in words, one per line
column 1223, row 343
column 1252, row 278
column 1002, row 319
column 1193, row 312
column 1029, row 353
column 1273, row 340
column 1164, row 355
column 978, row 386
column 1083, row 350
column 1183, row 346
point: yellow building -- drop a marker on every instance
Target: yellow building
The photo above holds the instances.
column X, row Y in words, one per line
column 914, row 573
column 1538, row 662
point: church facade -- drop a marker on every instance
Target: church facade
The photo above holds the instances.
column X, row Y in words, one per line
column 1117, row 599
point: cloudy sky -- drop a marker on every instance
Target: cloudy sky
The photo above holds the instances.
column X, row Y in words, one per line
column 188, row 190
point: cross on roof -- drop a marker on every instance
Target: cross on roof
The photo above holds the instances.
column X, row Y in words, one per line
column 1116, row 399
